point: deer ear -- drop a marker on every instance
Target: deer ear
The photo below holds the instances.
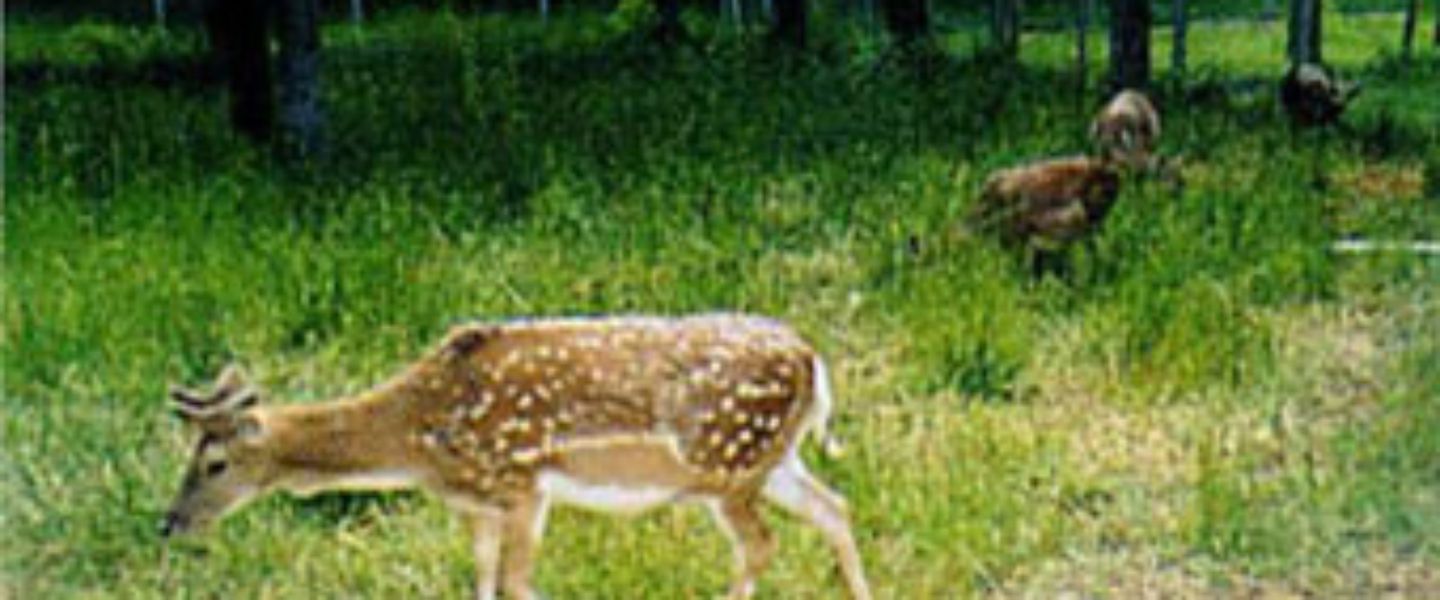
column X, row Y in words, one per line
column 181, row 395
column 232, row 378
column 186, row 404
column 216, row 407
column 244, row 399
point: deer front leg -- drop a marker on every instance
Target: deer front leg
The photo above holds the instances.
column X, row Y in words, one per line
column 524, row 525
column 753, row 542
column 485, row 531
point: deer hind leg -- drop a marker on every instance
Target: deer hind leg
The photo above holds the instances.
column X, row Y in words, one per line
column 524, row 525
column 792, row 487
column 485, row 531
column 752, row 540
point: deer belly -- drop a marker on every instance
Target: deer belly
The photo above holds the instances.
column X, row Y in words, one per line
column 618, row 475
column 605, row 497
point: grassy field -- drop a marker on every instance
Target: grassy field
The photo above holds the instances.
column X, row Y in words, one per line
column 1211, row 404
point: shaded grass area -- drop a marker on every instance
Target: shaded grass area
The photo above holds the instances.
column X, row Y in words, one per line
column 1210, row 402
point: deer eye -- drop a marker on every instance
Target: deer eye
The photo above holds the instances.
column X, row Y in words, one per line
column 215, row 468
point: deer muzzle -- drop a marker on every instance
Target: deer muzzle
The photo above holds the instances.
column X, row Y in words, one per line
column 173, row 524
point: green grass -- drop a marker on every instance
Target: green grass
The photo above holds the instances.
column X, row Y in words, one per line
column 1211, row 403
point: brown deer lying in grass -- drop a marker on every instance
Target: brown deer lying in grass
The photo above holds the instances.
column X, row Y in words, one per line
column 1126, row 131
column 618, row 414
column 1046, row 205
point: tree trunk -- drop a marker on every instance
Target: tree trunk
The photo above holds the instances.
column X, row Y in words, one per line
column 544, row 10
column 1407, row 42
column 301, row 119
column 239, row 42
column 1083, row 11
column 908, row 20
column 159, row 12
column 1304, row 35
column 1130, row 44
column 357, row 11
column 790, row 22
column 1181, row 22
column 751, row 12
column 668, row 29
column 1005, row 26
column 731, row 11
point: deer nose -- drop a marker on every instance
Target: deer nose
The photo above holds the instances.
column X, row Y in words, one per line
column 172, row 524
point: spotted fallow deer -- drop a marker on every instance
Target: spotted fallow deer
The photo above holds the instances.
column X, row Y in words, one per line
column 1126, row 130
column 618, row 415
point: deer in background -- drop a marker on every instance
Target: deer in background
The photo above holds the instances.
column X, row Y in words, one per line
column 1315, row 97
column 1126, row 130
column 1045, row 205
column 499, row 420
column 1042, row 207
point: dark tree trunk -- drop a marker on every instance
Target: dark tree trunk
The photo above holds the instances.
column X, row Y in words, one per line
column 755, row 11
column 1130, row 44
column 239, row 41
column 301, row 119
column 908, row 20
column 1083, row 10
column 1304, row 32
column 790, row 22
column 1005, row 26
column 730, row 11
column 668, row 29
column 1407, row 42
column 1181, row 21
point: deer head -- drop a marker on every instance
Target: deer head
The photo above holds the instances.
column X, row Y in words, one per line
column 230, row 464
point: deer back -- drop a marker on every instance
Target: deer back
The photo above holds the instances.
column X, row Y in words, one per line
column 729, row 394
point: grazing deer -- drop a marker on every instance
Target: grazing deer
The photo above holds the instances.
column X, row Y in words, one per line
column 1313, row 96
column 1126, row 131
column 1042, row 207
column 618, row 415
column 1048, row 203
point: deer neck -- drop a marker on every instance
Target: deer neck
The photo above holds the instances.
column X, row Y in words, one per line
column 356, row 444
